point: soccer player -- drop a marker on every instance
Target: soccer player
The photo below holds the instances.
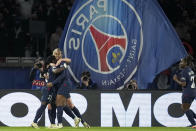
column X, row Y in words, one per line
column 54, row 73
column 48, row 98
column 186, row 80
column 38, row 83
column 63, row 94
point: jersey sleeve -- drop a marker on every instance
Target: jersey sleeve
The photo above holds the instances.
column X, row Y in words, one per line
column 184, row 76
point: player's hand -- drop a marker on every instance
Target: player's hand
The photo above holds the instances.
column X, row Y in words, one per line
column 58, row 62
column 46, row 76
column 49, row 85
column 175, row 78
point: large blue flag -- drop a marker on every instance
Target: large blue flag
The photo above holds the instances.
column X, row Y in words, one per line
column 119, row 40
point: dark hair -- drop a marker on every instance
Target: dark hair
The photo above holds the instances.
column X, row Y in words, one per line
column 50, row 59
column 189, row 60
column 38, row 63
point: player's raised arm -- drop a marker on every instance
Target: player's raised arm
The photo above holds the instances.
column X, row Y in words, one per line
column 56, row 70
column 66, row 60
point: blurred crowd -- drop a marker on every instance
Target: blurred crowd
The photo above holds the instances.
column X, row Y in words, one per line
column 182, row 14
column 18, row 38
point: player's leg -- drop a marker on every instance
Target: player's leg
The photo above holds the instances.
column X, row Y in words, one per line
column 186, row 103
column 193, row 114
column 60, row 100
column 68, row 111
column 52, row 114
column 52, row 107
column 65, row 91
column 38, row 114
column 188, row 112
column 76, row 112
column 41, row 109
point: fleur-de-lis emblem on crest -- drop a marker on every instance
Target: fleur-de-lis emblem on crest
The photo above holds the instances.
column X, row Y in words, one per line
column 115, row 57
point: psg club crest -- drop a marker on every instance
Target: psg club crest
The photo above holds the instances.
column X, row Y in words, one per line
column 104, row 37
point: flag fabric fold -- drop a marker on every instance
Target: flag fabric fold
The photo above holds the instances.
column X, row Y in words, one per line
column 162, row 46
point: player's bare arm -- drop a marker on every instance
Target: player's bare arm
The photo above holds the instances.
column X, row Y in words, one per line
column 66, row 60
column 181, row 83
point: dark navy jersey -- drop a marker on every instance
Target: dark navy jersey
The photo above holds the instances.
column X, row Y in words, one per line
column 64, row 75
column 65, row 72
column 53, row 90
column 52, row 76
column 187, row 75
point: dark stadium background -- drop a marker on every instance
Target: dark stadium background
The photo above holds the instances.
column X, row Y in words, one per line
column 27, row 31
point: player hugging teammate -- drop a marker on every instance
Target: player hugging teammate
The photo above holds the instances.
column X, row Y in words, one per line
column 56, row 93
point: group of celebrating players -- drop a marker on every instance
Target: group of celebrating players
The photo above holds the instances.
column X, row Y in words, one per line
column 56, row 91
